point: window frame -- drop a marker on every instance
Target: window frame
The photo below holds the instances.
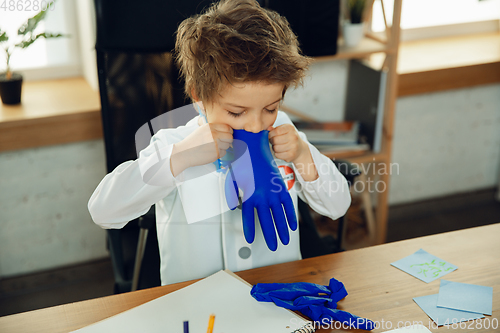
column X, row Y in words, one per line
column 434, row 31
column 63, row 70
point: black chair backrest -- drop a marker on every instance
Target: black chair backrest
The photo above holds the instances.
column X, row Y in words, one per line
column 146, row 26
column 138, row 79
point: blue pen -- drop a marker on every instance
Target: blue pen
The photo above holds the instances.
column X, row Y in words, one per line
column 186, row 326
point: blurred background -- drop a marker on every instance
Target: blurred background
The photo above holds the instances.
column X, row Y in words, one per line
column 431, row 95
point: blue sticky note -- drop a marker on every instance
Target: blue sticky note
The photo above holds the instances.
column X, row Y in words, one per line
column 443, row 316
column 466, row 297
column 424, row 266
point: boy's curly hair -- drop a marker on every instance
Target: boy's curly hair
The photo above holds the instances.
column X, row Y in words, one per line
column 237, row 41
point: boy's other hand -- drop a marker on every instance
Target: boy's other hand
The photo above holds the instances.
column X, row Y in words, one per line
column 205, row 145
column 286, row 142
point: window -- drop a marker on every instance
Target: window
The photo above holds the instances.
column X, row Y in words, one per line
column 433, row 18
column 46, row 58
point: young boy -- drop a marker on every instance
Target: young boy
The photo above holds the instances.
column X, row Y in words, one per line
column 238, row 60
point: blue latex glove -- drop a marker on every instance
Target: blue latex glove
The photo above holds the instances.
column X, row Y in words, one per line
column 316, row 301
column 255, row 172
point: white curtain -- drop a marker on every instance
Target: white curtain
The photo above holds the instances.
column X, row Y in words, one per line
column 87, row 32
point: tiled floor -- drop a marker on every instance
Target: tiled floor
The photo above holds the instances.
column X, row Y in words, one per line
column 95, row 279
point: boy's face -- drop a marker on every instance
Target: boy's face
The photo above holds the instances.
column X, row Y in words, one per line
column 252, row 106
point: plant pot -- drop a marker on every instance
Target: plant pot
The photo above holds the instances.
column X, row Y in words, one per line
column 352, row 33
column 10, row 90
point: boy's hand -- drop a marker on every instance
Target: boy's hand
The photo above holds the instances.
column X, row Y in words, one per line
column 286, row 142
column 205, row 145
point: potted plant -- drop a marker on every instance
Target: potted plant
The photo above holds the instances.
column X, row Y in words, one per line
column 353, row 26
column 10, row 82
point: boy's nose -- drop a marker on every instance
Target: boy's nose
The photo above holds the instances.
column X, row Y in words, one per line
column 254, row 124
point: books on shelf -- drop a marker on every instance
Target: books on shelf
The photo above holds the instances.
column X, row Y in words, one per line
column 333, row 137
column 330, row 133
column 331, row 149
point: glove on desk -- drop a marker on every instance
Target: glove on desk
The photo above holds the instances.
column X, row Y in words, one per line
column 316, row 301
column 254, row 170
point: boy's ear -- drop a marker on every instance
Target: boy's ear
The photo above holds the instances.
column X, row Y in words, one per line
column 193, row 93
column 198, row 102
column 201, row 107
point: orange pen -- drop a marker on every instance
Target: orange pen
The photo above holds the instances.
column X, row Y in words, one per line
column 211, row 323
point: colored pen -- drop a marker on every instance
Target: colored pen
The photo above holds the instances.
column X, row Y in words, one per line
column 186, row 326
column 211, row 323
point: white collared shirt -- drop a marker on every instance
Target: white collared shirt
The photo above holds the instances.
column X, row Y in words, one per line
column 194, row 238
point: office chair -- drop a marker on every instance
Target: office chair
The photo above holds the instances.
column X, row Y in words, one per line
column 131, row 94
column 311, row 243
column 138, row 81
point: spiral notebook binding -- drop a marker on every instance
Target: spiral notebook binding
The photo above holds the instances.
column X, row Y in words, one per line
column 308, row 328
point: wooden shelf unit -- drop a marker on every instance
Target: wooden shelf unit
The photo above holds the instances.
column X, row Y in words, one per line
column 366, row 47
column 388, row 44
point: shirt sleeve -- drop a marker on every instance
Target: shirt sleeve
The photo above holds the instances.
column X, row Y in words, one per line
column 329, row 194
column 130, row 190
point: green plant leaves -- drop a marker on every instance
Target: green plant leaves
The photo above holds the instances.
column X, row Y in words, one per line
column 356, row 8
column 32, row 23
column 3, row 36
column 26, row 32
column 25, row 43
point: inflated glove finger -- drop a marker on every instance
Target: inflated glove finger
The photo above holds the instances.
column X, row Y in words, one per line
column 260, row 180
column 280, row 222
column 248, row 216
column 266, row 224
column 291, row 217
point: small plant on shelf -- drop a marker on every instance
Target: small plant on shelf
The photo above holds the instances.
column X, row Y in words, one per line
column 356, row 9
column 10, row 82
column 353, row 24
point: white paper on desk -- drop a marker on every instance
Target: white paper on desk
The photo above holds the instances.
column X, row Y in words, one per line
column 222, row 294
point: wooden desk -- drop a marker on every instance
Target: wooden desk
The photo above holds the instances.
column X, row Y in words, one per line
column 376, row 290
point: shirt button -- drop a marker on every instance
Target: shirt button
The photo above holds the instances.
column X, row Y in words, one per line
column 245, row 252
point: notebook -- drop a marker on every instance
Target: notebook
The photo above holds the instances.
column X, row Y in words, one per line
column 223, row 294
